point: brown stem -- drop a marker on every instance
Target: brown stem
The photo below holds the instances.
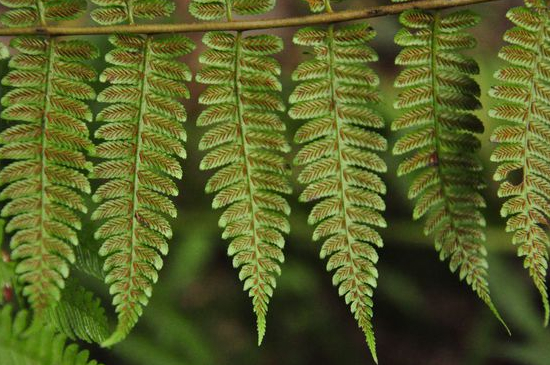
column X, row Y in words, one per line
column 334, row 17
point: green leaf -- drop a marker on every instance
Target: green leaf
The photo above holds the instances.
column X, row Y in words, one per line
column 21, row 344
column 216, row 9
column 50, row 136
column 25, row 13
column 437, row 99
column 142, row 135
column 245, row 141
column 79, row 315
column 120, row 11
column 523, row 138
column 335, row 99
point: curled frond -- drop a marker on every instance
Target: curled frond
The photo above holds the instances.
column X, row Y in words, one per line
column 143, row 139
column 45, row 181
column 523, row 139
column 437, row 99
column 21, row 344
column 245, row 143
column 335, row 97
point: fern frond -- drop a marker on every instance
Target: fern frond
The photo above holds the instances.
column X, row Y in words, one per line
column 216, row 9
column 21, row 344
column 335, row 96
column 45, row 182
column 87, row 259
column 523, row 139
column 143, row 137
column 79, row 315
column 437, row 100
column 121, row 11
column 245, row 141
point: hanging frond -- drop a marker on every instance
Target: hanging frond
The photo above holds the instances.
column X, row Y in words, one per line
column 21, row 344
column 79, row 315
column 438, row 98
column 44, row 184
column 25, row 13
column 335, row 97
column 523, row 139
column 216, row 9
column 143, row 137
column 246, row 141
column 127, row 11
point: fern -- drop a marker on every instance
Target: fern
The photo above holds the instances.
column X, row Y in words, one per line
column 143, row 135
column 217, row 9
column 523, row 139
column 79, row 315
column 245, row 141
column 438, row 99
column 335, row 97
column 49, row 86
column 121, row 11
column 26, row 13
column 37, row 345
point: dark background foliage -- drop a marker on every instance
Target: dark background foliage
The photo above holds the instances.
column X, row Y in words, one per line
column 199, row 314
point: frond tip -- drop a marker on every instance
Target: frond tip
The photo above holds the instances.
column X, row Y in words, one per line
column 437, row 100
column 335, row 95
column 245, row 144
column 523, row 140
column 143, row 137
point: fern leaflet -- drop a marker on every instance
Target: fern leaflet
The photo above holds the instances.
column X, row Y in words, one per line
column 143, row 135
column 245, row 141
column 335, row 97
column 523, row 139
column 217, row 9
column 121, row 11
column 49, row 78
column 438, row 99
column 25, row 13
column 79, row 315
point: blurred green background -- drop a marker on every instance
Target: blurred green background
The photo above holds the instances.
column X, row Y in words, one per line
column 199, row 315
